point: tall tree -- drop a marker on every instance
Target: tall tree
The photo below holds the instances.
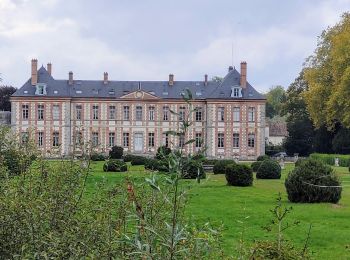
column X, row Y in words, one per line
column 5, row 93
column 328, row 76
column 274, row 99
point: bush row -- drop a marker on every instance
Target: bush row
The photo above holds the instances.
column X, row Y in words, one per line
column 344, row 160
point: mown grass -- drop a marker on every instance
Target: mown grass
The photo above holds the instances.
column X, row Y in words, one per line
column 212, row 200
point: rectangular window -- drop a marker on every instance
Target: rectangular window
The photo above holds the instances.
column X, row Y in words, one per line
column 126, row 115
column 112, row 112
column 182, row 113
column 55, row 139
column 198, row 140
column 111, row 142
column 251, row 114
column 181, row 141
column 221, row 114
column 139, row 113
column 165, row 113
column 236, row 92
column 78, row 138
column 40, row 112
column 24, row 137
column 55, row 112
column 236, row 114
column 78, row 110
column 25, row 112
column 40, row 139
column 151, row 114
column 95, row 112
column 126, row 139
column 198, row 114
column 94, row 139
column 166, row 140
column 235, row 140
column 150, row 139
column 221, row 140
column 251, row 140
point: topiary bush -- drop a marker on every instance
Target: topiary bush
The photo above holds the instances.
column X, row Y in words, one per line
column 256, row 165
column 162, row 152
column 114, row 165
column 219, row 166
column 116, row 152
column 151, row 164
column 298, row 162
column 192, row 169
column 98, row 157
column 138, row 160
column 263, row 158
column 310, row 181
column 269, row 169
column 239, row 175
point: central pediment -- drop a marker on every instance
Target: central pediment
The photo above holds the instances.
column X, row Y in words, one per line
column 139, row 94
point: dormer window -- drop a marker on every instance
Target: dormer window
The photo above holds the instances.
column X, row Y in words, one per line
column 40, row 89
column 236, row 92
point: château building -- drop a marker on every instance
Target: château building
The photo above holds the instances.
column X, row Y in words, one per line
column 229, row 117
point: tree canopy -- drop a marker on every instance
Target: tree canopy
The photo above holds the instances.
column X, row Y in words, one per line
column 5, row 93
column 274, row 99
column 327, row 73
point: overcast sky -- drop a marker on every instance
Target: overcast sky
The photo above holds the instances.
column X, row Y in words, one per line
column 148, row 39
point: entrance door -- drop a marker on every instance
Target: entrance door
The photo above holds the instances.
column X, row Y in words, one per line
column 138, row 142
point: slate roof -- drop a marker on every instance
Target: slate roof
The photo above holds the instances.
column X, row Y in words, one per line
column 116, row 89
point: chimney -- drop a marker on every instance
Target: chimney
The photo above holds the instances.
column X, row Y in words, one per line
column 34, row 72
column 243, row 74
column 230, row 68
column 105, row 78
column 205, row 80
column 70, row 80
column 171, row 79
column 49, row 68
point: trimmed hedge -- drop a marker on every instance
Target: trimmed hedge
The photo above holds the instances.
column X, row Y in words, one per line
column 162, row 152
column 98, row 157
column 219, row 166
column 116, row 152
column 151, row 164
column 308, row 183
column 138, row 160
column 263, row 158
column 114, row 165
column 256, row 165
column 269, row 169
column 191, row 171
column 344, row 160
column 239, row 175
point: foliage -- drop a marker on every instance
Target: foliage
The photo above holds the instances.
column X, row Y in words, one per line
column 116, row 152
column 194, row 170
column 344, row 160
column 210, row 161
column 219, row 166
column 269, row 169
column 328, row 76
column 263, row 157
column 162, row 152
column 239, row 175
column 341, row 141
column 256, row 165
column 114, row 165
column 274, row 99
column 298, row 162
column 312, row 182
column 5, row 94
column 271, row 149
column 151, row 164
column 138, row 160
column 98, row 157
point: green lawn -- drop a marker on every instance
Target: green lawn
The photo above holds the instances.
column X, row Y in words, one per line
column 213, row 200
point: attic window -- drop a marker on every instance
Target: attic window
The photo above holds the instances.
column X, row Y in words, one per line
column 165, row 93
column 236, row 92
column 198, row 93
column 125, row 92
column 78, row 91
column 95, row 91
column 197, row 83
column 40, row 89
column 55, row 92
column 25, row 92
column 250, row 94
column 111, row 92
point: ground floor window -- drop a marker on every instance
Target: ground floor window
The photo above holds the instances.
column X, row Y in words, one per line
column 166, row 140
column 150, row 139
column 198, row 140
column 55, row 139
column 111, row 140
column 235, row 140
column 251, row 140
column 40, row 139
column 221, row 140
column 126, row 139
column 95, row 139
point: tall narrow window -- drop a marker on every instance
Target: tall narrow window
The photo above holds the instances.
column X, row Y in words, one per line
column 221, row 140
column 181, row 141
column 24, row 137
column 95, row 112
column 150, row 139
column 251, row 114
column 126, row 115
column 139, row 113
column 235, row 140
column 55, row 112
column 165, row 113
column 25, row 112
column 221, row 114
column 198, row 140
column 151, row 113
column 111, row 142
column 95, row 139
column 40, row 139
column 78, row 110
column 251, row 140
column 166, row 140
column 126, row 139
column 78, row 138
column 112, row 112
column 182, row 112
column 55, row 139
column 236, row 114
column 198, row 114
column 40, row 112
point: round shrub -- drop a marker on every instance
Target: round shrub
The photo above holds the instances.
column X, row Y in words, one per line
column 114, row 165
column 269, row 169
column 310, row 181
column 138, row 160
column 151, row 164
column 263, row 158
column 256, row 165
column 219, row 166
column 162, row 152
column 192, row 169
column 98, row 157
column 116, row 152
column 239, row 175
